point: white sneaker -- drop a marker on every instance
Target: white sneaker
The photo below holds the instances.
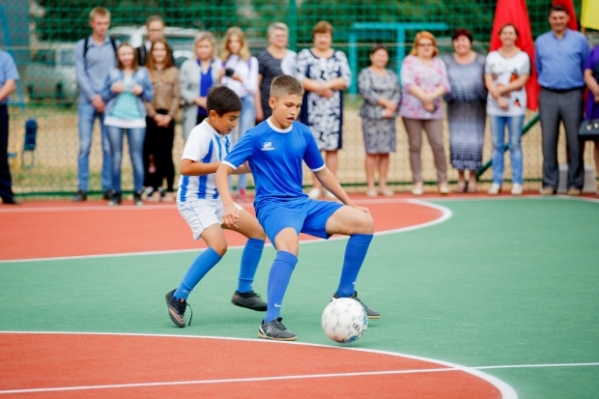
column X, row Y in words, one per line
column 371, row 192
column 314, row 193
column 517, row 189
column 494, row 189
column 417, row 191
column 443, row 189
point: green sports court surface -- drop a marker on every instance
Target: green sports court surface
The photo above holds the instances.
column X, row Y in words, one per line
column 506, row 286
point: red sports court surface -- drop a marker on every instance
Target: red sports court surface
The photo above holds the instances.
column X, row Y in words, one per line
column 57, row 229
column 126, row 366
column 71, row 365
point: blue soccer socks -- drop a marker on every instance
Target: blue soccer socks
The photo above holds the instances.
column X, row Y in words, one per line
column 198, row 269
column 249, row 263
column 355, row 252
column 278, row 280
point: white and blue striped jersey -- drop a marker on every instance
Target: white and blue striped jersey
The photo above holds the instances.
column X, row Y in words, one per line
column 206, row 145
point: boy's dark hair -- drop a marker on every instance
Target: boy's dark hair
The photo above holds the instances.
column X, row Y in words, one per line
column 221, row 99
column 558, row 8
column 285, row 85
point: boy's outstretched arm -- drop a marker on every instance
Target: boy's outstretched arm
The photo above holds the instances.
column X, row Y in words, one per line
column 196, row 168
column 329, row 181
column 230, row 214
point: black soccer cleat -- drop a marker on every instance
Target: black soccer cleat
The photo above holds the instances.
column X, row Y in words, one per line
column 249, row 300
column 372, row 314
column 176, row 309
column 275, row 330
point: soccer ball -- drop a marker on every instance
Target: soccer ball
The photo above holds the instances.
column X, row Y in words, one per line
column 344, row 320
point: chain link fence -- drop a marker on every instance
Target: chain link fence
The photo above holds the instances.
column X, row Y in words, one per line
column 41, row 35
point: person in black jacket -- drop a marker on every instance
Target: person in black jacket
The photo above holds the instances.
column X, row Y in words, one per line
column 8, row 78
column 154, row 30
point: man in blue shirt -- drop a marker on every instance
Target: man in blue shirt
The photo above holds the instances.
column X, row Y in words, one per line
column 8, row 78
column 274, row 151
column 94, row 57
column 560, row 59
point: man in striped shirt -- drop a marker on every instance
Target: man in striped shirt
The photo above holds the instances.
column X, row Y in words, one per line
column 199, row 203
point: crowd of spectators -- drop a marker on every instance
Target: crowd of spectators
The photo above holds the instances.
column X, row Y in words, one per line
column 475, row 87
column 137, row 92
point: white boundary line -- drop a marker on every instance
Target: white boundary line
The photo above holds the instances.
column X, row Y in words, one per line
column 532, row 366
column 507, row 392
column 445, row 214
column 163, row 206
column 583, row 199
column 88, row 208
column 247, row 205
column 512, row 198
column 206, row 382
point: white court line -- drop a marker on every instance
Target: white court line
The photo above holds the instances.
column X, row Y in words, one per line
column 506, row 390
column 147, row 207
column 43, row 209
column 445, row 214
column 511, row 198
column 532, row 366
column 583, row 199
column 280, row 378
column 219, row 381
column 249, row 205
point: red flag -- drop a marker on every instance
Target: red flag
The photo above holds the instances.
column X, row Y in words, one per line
column 515, row 12
column 573, row 23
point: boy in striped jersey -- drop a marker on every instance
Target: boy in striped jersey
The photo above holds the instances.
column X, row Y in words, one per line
column 199, row 203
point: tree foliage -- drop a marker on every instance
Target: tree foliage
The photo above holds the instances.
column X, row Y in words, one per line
column 67, row 20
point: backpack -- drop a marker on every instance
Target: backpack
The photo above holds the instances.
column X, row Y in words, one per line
column 86, row 42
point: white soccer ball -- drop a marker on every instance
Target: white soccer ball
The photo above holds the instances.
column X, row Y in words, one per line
column 344, row 320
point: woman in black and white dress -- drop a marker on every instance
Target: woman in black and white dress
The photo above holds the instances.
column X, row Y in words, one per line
column 275, row 60
column 324, row 73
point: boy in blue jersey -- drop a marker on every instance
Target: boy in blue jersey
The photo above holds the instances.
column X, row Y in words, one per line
column 274, row 151
column 198, row 202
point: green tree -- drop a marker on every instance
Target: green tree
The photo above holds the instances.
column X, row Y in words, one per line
column 67, row 20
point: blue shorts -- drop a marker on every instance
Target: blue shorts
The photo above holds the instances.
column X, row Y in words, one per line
column 303, row 214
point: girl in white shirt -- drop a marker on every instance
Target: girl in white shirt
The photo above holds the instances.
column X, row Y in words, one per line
column 240, row 74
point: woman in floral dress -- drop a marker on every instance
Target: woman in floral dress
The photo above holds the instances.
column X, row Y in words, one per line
column 324, row 73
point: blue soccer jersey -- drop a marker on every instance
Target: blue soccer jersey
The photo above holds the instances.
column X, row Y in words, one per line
column 275, row 157
column 203, row 145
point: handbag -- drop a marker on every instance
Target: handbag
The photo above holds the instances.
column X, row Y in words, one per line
column 589, row 128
